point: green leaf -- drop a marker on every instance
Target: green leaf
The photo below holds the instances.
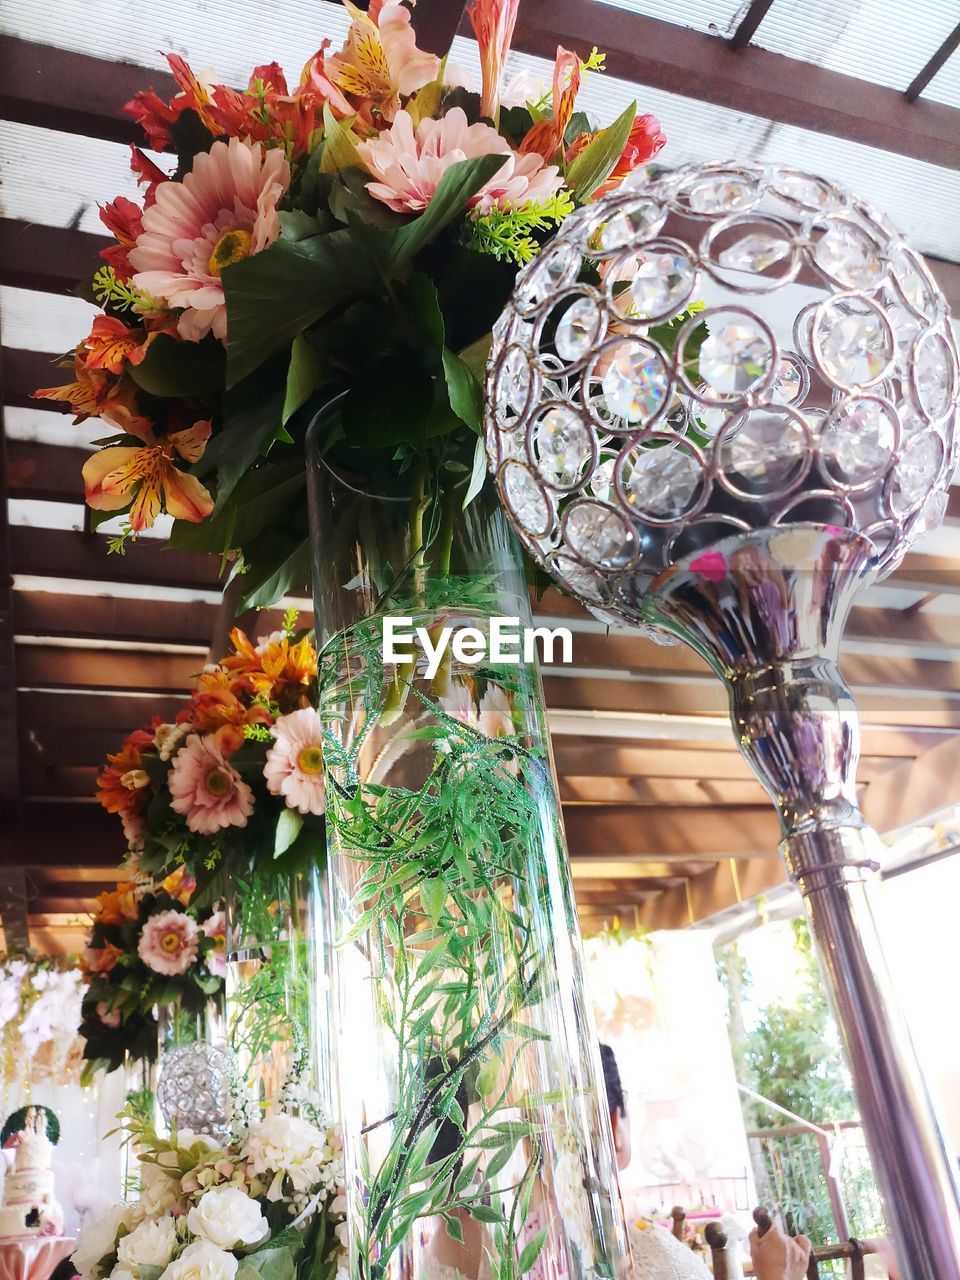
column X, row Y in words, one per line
column 288, row 1238
column 274, row 295
column 454, row 1227
column 339, row 145
column 268, row 1264
column 483, row 1213
column 463, row 389
column 459, row 183
column 479, row 474
column 531, row 1251
column 288, row 828
column 291, row 576
column 596, row 162
column 305, row 374
column 251, row 419
column 172, row 368
column 393, row 405
column 295, row 225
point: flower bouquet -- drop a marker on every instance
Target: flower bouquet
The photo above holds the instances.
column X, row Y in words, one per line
column 265, row 1207
column 149, row 949
column 353, row 236
column 237, row 780
column 233, row 792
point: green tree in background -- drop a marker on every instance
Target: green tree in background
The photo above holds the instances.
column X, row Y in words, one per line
column 793, row 1056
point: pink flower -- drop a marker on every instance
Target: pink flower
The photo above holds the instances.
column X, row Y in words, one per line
column 207, row 789
column 223, row 211
column 379, row 64
column 109, row 1017
column 168, row 943
column 294, row 765
column 407, row 166
column 710, row 565
column 493, row 717
column 216, row 929
column 493, row 22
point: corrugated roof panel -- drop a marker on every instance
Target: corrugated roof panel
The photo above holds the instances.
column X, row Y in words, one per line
column 884, row 41
column 44, row 322
column 716, row 17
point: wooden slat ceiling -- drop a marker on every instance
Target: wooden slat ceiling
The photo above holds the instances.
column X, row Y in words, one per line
column 666, row 824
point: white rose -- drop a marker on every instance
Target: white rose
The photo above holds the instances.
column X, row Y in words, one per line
column 158, row 1191
column 229, row 1218
column 98, row 1237
column 202, row 1261
column 152, row 1244
column 121, row 1273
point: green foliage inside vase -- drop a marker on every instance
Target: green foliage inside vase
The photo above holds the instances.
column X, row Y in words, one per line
column 448, row 833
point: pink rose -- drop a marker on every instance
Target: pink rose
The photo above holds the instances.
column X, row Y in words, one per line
column 168, row 943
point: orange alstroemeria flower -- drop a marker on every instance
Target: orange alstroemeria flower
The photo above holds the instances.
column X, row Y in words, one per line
column 222, row 702
column 101, row 959
column 546, row 136
column 493, row 22
column 116, row 789
column 378, row 66
column 149, row 473
column 179, row 884
column 276, row 667
column 86, row 395
column 111, row 345
column 118, row 905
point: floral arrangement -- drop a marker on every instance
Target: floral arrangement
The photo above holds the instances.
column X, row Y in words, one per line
column 350, row 239
column 237, row 779
column 149, row 948
column 40, row 1011
column 266, row 1207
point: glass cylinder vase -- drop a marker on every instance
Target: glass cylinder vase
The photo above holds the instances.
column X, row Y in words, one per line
column 277, row 989
column 476, row 1131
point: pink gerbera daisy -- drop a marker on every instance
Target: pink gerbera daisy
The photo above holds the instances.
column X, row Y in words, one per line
column 294, row 765
column 205, row 787
column 224, row 210
column 407, row 165
column 216, row 930
column 168, row 943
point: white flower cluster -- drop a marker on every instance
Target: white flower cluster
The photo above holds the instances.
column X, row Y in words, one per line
column 197, row 1223
column 40, row 1009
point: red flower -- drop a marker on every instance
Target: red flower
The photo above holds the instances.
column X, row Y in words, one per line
column 125, row 220
column 147, row 173
column 645, row 140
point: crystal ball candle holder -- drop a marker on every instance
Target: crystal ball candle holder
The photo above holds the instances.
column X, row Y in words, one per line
column 819, row 384
column 720, row 404
column 193, row 1091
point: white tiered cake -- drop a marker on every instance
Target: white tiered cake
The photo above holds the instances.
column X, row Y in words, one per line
column 29, row 1207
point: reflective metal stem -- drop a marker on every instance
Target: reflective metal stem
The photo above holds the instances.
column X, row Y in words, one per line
column 770, row 625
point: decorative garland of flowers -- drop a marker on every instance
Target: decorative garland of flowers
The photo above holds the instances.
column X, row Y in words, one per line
column 149, row 948
column 236, row 782
column 356, row 234
column 266, row 1207
column 40, row 1010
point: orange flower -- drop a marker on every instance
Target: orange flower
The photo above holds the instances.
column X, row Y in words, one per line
column 117, row 473
column 546, row 136
column 276, row 667
column 180, row 885
column 493, row 22
column 221, row 701
column 86, row 395
column 101, row 959
column 110, row 345
column 115, row 794
column 119, row 905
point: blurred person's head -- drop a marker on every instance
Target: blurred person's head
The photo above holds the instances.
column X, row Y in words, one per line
column 617, row 1102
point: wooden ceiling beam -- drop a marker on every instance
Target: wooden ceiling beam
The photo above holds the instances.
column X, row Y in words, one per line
column 59, row 89
column 56, row 88
column 55, row 553
column 598, row 789
column 624, row 831
column 41, row 833
column 721, row 765
column 679, row 60
column 9, row 762
column 49, row 259
column 50, row 473
column 726, row 884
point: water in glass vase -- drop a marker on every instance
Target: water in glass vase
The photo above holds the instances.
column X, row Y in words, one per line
column 465, row 1045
